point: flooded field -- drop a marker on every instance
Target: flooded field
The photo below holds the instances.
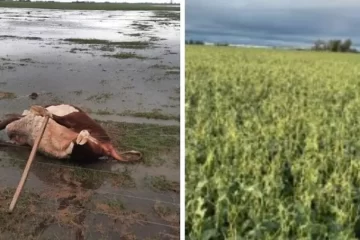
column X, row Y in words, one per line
column 122, row 67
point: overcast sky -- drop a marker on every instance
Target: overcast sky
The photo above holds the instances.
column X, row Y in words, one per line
column 275, row 22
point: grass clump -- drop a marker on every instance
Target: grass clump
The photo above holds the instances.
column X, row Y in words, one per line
column 155, row 114
column 77, row 92
column 75, row 50
column 104, row 112
column 160, row 183
column 107, row 48
column 141, row 26
column 173, row 72
column 27, row 60
column 125, row 56
column 133, row 44
column 108, row 45
column 114, row 206
column 150, row 139
column 272, row 144
column 173, row 15
column 134, row 34
column 86, row 40
column 92, row 179
column 100, row 97
column 165, row 67
column 18, row 37
column 7, row 95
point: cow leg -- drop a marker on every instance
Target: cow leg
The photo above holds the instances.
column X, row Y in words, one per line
column 103, row 149
column 73, row 142
column 84, row 137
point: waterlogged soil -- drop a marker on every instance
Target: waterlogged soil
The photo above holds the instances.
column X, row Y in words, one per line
column 110, row 62
column 136, row 99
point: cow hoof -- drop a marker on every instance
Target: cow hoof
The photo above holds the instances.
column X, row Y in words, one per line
column 40, row 111
column 83, row 137
column 135, row 152
column 136, row 156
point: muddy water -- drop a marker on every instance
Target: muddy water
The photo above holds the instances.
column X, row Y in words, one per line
column 109, row 88
column 48, row 66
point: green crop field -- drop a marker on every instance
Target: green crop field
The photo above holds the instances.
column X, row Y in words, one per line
column 272, row 144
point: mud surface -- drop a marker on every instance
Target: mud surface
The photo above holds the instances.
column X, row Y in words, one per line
column 123, row 68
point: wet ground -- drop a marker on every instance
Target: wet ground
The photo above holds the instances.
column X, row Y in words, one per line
column 123, row 68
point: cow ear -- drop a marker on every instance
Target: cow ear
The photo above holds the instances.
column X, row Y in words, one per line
column 25, row 113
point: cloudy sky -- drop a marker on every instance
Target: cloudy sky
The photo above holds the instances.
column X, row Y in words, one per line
column 275, row 22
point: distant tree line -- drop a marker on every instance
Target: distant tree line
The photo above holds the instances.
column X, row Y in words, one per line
column 334, row 45
column 194, row 42
column 221, row 44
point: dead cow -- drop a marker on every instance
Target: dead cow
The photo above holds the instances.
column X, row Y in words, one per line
column 70, row 133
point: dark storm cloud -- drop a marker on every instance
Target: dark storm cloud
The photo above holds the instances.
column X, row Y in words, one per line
column 242, row 22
